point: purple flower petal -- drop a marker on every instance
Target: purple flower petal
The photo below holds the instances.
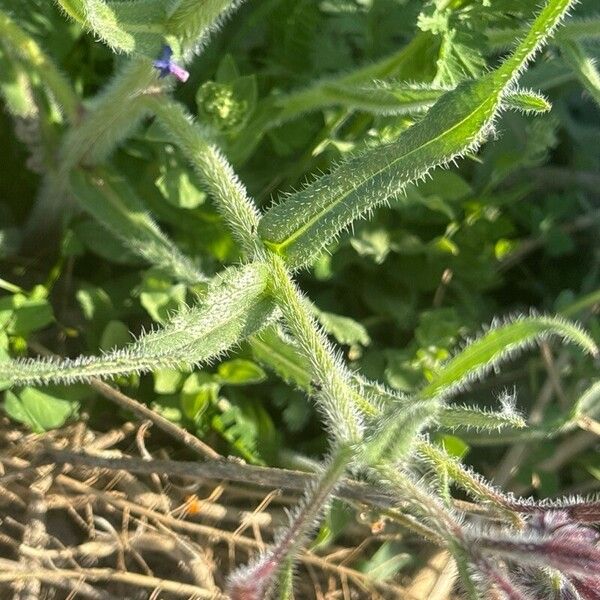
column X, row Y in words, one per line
column 166, row 66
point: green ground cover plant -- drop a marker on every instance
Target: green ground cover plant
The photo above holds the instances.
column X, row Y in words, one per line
column 183, row 169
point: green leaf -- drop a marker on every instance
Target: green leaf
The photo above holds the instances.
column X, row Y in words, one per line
column 386, row 562
column 584, row 66
column 115, row 335
column 588, row 403
column 345, row 330
column 300, row 227
column 111, row 200
column 160, row 297
column 465, row 417
column 392, row 435
column 178, row 186
column 167, row 381
column 234, row 307
column 527, row 101
column 29, row 314
column 190, row 20
column 199, row 391
column 129, row 27
column 39, row 410
column 275, row 352
column 240, row 372
column 500, row 343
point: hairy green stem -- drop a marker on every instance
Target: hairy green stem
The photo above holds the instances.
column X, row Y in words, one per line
column 111, row 116
column 339, row 400
column 230, row 195
column 584, row 66
column 256, row 581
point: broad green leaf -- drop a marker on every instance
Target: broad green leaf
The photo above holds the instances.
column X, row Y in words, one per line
column 345, row 330
column 273, row 351
column 234, row 307
column 178, row 187
column 160, row 297
column 111, row 200
column 240, row 372
column 300, row 227
column 498, row 344
column 167, row 381
column 385, row 562
column 29, row 314
column 198, row 392
column 115, row 335
column 39, row 410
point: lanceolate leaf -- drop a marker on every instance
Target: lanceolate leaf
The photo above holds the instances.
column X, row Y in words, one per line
column 110, row 199
column 464, row 417
column 234, row 307
column 527, row 101
column 383, row 97
column 144, row 26
column 37, row 62
column 499, row 344
column 300, row 227
column 396, row 98
column 189, row 20
column 127, row 26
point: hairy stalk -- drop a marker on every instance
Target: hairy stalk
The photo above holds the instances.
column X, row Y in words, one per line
column 584, row 66
column 464, row 418
column 471, row 482
column 231, row 198
column 337, row 397
column 543, row 26
column 255, row 581
column 391, row 436
column 31, row 53
column 110, row 117
column 418, row 499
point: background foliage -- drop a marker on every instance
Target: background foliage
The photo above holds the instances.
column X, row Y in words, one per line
column 284, row 91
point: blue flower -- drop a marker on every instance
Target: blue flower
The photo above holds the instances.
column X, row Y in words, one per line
column 166, row 66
